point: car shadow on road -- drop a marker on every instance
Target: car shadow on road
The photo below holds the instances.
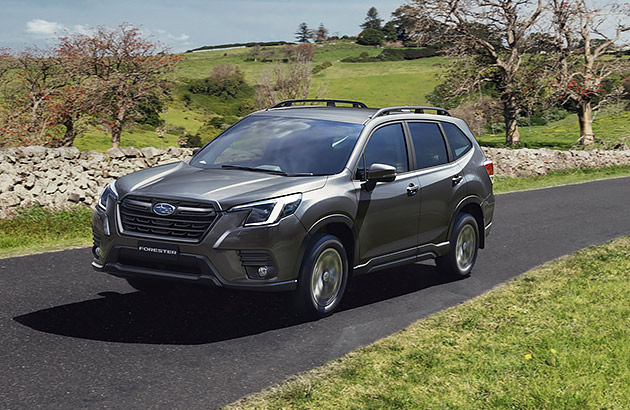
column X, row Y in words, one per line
column 189, row 316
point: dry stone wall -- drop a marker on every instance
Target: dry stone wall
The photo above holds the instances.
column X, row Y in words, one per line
column 62, row 177
column 529, row 162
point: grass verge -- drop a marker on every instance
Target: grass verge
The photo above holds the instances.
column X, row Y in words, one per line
column 38, row 229
column 556, row 178
column 555, row 337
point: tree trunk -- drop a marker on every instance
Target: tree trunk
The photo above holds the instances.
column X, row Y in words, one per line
column 116, row 131
column 69, row 135
column 585, row 116
column 510, row 113
column 117, row 128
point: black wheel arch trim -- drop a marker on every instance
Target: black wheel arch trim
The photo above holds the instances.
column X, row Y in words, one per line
column 318, row 226
column 471, row 199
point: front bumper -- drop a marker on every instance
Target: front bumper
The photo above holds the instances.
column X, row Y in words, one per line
column 222, row 258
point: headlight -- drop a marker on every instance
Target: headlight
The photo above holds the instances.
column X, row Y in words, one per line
column 269, row 211
column 109, row 192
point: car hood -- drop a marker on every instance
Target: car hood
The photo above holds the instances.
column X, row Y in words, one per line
column 227, row 187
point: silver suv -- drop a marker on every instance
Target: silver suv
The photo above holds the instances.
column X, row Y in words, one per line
column 299, row 197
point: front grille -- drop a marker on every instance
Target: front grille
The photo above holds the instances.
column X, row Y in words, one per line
column 190, row 221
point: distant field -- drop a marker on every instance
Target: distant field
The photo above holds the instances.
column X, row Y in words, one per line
column 376, row 84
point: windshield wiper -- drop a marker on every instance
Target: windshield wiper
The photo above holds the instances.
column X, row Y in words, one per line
column 268, row 171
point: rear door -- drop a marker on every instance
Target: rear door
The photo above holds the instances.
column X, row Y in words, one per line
column 442, row 185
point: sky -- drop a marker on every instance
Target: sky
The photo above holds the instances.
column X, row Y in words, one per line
column 182, row 24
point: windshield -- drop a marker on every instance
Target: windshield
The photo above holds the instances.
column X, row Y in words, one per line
column 287, row 146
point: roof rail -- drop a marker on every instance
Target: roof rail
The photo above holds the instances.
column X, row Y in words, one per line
column 415, row 109
column 329, row 103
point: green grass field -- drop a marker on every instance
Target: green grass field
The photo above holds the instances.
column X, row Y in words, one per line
column 553, row 338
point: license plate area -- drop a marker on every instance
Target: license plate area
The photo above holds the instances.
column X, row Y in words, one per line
column 158, row 251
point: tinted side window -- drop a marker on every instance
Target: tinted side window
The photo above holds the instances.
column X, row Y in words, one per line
column 428, row 143
column 387, row 146
column 459, row 143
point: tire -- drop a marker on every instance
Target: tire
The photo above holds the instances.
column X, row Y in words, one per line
column 151, row 287
column 323, row 277
column 461, row 257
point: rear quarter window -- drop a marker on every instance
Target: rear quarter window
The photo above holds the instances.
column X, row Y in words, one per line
column 460, row 144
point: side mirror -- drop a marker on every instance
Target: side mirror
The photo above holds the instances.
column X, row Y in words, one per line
column 196, row 150
column 379, row 173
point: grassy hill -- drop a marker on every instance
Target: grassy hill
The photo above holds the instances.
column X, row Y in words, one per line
column 377, row 84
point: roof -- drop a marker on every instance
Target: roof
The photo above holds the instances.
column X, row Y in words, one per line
column 339, row 114
column 352, row 115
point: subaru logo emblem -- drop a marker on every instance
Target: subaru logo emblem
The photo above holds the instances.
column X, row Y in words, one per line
column 163, row 209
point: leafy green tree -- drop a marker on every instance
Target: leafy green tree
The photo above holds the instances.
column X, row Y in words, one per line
column 371, row 37
column 390, row 31
column 372, row 20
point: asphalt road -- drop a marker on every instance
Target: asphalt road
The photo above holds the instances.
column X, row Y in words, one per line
column 73, row 338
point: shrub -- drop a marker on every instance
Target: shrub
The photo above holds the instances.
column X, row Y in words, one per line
column 371, row 37
column 478, row 114
column 217, row 122
column 321, row 67
column 225, row 80
column 189, row 141
column 394, row 54
column 207, row 132
column 364, row 57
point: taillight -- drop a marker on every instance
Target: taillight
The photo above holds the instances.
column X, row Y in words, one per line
column 489, row 166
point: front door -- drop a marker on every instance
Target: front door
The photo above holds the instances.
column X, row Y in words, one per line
column 387, row 217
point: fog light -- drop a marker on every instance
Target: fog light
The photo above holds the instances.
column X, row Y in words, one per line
column 263, row 271
column 96, row 251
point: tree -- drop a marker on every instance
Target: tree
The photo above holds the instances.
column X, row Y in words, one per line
column 305, row 52
column 390, row 31
column 301, row 52
column 495, row 31
column 321, row 34
column 267, row 54
column 125, row 70
column 372, row 20
column 585, row 37
column 224, row 81
column 29, row 99
column 371, row 37
column 254, row 52
column 303, row 33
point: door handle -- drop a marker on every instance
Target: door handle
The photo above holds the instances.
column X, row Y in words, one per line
column 412, row 189
column 457, row 179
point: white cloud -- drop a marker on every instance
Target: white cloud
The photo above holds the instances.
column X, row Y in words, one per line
column 47, row 30
column 43, row 28
column 178, row 42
